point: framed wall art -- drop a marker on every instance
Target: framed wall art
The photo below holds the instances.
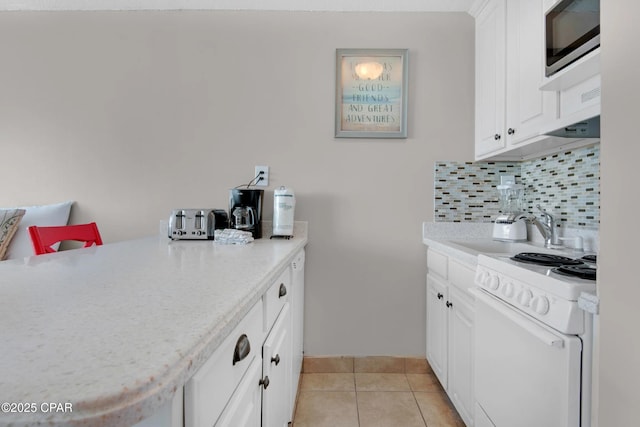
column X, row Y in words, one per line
column 371, row 93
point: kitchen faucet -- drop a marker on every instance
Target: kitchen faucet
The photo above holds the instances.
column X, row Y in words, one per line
column 547, row 228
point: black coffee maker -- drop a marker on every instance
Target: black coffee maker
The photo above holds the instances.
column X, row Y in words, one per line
column 245, row 210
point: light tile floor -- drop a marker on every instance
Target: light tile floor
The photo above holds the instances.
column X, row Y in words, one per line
column 366, row 399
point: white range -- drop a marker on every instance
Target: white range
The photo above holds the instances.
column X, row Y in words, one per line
column 534, row 343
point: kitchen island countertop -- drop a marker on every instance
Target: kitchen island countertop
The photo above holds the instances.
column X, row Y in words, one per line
column 115, row 330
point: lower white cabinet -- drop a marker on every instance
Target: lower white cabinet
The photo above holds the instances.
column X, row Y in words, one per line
column 297, row 323
column 460, row 387
column 210, row 389
column 244, row 409
column 276, row 372
column 450, row 314
column 251, row 379
column 437, row 328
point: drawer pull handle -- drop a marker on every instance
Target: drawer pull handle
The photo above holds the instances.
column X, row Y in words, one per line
column 264, row 382
column 283, row 290
column 276, row 359
column 243, row 348
column 449, row 304
column 439, row 295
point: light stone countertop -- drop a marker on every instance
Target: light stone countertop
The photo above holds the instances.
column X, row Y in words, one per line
column 458, row 240
column 438, row 235
column 115, row 330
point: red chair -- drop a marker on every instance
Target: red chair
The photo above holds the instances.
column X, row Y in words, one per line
column 44, row 237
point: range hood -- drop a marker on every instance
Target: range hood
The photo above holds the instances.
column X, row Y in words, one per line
column 589, row 128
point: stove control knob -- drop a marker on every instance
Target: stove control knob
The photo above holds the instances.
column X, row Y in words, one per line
column 540, row 304
column 507, row 290
column 493, row 282
column 524, row 297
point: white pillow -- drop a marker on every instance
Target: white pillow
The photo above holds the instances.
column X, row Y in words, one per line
column 44, row 215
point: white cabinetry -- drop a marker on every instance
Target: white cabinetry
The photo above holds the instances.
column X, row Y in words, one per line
column 450, row 316
column 276, row 366
column 490, row 78
column 297, row 323
column 249, row 380
column 277, row 354
column 245, row 407
column 437, row 328
column 210, row 389
column 510, row 107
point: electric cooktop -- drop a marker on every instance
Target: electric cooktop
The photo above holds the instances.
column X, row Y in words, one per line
column 583, row 268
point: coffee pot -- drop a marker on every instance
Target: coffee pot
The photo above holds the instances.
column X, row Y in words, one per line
column 245, row 210
column 244, row 217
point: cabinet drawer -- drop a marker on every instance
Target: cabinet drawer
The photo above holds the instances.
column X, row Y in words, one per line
column 208, row 391
column 461, row 276
column 437, row 263
column 275, row 298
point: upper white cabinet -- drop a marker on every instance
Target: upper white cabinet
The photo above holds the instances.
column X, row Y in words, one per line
column 490, row 78
column 510, row 107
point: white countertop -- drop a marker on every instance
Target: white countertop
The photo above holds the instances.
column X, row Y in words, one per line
column 115, row 330
column 465, row 241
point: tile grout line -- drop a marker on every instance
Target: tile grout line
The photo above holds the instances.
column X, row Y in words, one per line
column 413, row 393
column 355, row 390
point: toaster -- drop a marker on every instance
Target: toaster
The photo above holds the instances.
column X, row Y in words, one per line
column 196, row 224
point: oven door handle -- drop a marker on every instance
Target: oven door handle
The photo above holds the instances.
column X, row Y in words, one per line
column 542, row 334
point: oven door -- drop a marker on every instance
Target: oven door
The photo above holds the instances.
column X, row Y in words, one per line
column 527, row 374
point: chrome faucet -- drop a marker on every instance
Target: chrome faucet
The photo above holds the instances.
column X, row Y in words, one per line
column 547, row 228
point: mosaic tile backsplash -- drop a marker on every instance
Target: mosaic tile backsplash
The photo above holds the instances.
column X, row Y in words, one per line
column 567, row 184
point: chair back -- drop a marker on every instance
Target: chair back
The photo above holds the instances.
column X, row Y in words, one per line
column 43, row 237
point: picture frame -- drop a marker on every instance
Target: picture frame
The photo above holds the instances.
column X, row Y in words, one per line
column 371, row 93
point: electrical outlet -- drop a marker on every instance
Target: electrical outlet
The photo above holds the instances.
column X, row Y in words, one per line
column 262, row 172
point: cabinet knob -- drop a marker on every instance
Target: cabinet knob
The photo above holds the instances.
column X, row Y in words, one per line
column 242, row 350
column 264, row 382
column 283, row 290
column 511, row 131
column 276, row 359
column 497, row 136
column 440, row 295
column 449, row 304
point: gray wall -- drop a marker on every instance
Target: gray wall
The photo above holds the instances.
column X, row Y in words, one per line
column 131, row 114
column 619, row 371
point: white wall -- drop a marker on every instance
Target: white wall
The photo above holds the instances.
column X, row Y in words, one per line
column 131, row 114
column 618, row 278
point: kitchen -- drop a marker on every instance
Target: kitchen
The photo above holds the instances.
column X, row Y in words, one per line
column 137, row 105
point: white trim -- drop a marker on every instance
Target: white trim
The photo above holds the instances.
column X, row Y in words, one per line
column 300, row 5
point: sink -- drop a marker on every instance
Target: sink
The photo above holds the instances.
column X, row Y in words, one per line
column 495, row 247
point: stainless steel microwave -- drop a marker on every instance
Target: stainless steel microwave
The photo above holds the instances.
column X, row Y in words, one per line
column 572, row 31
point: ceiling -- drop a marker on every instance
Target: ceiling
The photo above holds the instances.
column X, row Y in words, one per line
column 303, row 5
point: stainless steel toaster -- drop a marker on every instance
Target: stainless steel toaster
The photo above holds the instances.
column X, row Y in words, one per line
column 196, row 224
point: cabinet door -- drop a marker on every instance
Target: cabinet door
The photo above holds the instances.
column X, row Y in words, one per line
column 528, row 108
column 297, row 323
column 461, row 360
column 437, row 328
column 210, row 388
column 490, row 78
column 276, row 365
column 244, row 408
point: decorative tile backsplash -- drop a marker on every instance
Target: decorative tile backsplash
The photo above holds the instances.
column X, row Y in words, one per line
column 566, row 184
